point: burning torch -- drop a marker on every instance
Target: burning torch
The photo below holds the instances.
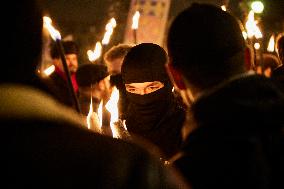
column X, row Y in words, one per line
column 135, row 23
column 117, row 126
column 109, row 30
column 55, row 35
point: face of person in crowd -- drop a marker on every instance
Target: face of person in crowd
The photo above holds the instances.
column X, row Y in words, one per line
column 71, row 61
column 144, row 88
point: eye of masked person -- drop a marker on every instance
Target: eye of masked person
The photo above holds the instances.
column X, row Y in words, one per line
column 144, row 88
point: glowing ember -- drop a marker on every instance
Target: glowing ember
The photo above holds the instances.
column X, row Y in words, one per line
column 135, row 20
column 271, row 44
column 47, row 23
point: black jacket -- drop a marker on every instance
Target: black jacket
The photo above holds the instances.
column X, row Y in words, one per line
column 58, row 88
column 239, row 139
column 166, row 134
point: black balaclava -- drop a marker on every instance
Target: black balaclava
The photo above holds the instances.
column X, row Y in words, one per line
column 146, row 63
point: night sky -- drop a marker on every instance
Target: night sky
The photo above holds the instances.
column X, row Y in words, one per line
column 86, row 19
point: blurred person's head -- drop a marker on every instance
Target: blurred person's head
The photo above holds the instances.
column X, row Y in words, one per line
column 22, row 38
column 93, row 80
column 280, row 47
column 114, row 57
column 269, row 63
column 71, row 55
column 206, row 47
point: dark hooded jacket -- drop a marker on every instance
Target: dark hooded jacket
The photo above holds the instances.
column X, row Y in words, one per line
column 238, row 140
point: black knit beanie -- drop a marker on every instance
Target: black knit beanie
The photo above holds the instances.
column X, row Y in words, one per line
column 69, row 47
column 145, row 63
column 90, row 73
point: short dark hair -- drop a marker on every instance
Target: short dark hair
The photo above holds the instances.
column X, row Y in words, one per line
column 70, row 47
column 90, row 74
column 206, row 44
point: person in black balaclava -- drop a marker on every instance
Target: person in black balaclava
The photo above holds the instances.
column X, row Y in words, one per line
column 153, row 112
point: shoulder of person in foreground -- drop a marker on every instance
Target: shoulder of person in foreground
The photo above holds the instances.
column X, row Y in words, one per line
column 55, row 146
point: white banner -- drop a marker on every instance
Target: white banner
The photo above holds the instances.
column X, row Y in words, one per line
column 152, row 21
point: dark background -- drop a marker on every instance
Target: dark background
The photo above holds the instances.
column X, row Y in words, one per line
column 85, row 19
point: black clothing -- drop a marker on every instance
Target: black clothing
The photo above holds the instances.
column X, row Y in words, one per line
column 89, row 74
column 58, row 88
column 278, row 76
column 44, row 144
column 159, row 122
column 238, row 142
column 145, row 62
column 155, row 116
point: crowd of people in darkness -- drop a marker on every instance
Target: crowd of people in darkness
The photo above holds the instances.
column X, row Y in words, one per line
column 202, row 112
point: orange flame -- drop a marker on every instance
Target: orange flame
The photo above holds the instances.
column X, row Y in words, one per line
column 49, row 70
column 109, row 30
column 135, row 20
column 271, row 44
column 47, row 23
column 252, row 28
column 223, row 7
column 94, row 120
column 111, row 106
column 94, row 55
column 100, row 114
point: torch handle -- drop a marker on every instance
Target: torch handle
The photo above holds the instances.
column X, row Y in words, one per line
column 135, row 36
column 66, row 70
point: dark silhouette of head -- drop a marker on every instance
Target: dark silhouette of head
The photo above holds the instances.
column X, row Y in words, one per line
column 22, row 41
column 90, row 74
column 70, row 47
column 206, row 45
column 145, row 63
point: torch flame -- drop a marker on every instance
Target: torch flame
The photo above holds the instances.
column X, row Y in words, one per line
column 111, row 106
column 47, row 23
column 109, row 30
column 94, row 121
column 223, row 7
column 94, row 55
column 49, row 70
column 257, row 46
column 100, row 113
column 90, row 115
column 271, row 44
column 135, row 20
column 252, row 28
